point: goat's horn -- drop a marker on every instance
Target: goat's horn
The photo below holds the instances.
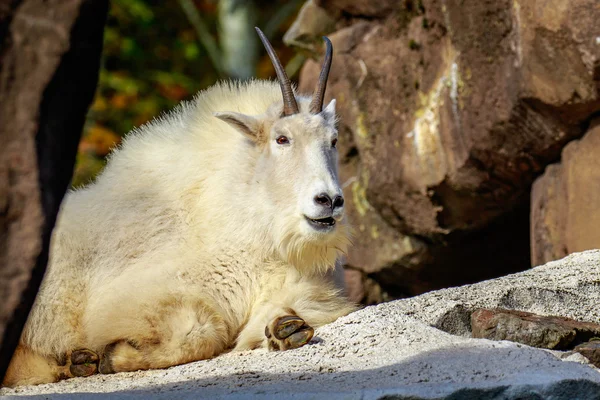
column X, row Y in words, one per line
column 316, row 105
column 289, row 101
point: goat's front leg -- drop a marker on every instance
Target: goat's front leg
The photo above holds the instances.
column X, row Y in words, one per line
column 288, row 332
column 285, row 319
column 274, row 327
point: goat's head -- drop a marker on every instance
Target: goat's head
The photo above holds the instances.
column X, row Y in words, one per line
column 298, row 163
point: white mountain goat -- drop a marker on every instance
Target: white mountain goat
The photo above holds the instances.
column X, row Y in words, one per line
column 211, row 229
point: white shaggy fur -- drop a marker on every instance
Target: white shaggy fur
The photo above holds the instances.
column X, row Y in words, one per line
column 192, row 240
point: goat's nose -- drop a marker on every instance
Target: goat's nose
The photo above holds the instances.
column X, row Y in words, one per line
column 323, row 199
column 338, row 202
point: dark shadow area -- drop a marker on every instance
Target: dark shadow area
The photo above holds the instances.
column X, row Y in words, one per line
column 499, row 249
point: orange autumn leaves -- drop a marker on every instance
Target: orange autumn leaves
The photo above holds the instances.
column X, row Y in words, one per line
column 152, row 60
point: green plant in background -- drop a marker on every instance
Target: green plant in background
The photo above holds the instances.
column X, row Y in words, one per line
column 157, row 53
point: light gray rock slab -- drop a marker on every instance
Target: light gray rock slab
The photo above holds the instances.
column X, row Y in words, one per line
column 392, row 351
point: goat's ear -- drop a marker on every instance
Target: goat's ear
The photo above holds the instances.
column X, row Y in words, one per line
column 329, row 112
column 248, row 125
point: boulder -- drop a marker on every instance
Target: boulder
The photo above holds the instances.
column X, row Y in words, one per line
column 449, row 111
column 591, row 351
column 417, row 348
column 361, row 8
column 565, row 213
column 305, row 32
column 49, row 62
column 546, row 332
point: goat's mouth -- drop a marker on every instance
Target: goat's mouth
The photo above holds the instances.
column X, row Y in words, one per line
column 321, row 224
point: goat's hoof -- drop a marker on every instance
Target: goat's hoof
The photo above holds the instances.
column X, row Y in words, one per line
column 106, row 366
column 288, row 332
column 84, row 362
column 81, row 370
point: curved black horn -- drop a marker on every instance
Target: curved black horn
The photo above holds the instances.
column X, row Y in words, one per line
column 316, row 105
column 289, row 101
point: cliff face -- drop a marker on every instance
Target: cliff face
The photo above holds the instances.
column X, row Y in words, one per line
column 565, row 212
column 49, row 62
column 449, row 111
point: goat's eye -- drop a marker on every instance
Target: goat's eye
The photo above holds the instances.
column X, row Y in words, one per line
column 334, row 143
column 282, row 140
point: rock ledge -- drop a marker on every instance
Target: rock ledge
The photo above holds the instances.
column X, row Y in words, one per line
column 417, row 348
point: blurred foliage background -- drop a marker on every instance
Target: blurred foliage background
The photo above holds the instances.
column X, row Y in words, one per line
column 158, row 53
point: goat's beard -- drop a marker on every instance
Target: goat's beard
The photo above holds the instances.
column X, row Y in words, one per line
column 313, row 253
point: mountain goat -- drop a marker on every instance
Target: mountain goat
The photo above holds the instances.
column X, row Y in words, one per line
column 211, row 229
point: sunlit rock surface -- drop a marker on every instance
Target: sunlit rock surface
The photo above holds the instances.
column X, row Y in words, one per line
column 419, row 348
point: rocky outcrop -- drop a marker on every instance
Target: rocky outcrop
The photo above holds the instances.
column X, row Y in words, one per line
column 49, row 60
column 417, row 348
column 591, row 351
column 449, row 111
column 565, row 213
column 311, row 22
column 546, row 332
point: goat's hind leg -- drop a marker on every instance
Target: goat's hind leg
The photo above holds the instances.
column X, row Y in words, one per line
column 28, row 367
column 178, row 336
column 84, row 362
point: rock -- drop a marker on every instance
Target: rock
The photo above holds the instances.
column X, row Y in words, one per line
column 591, row 351
column 417, row 348
column 310, row 25
column 546, row 332
column 449, row 111
column 49, row 63
column 354, row 282
column 564, row 202
column 378, row 8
